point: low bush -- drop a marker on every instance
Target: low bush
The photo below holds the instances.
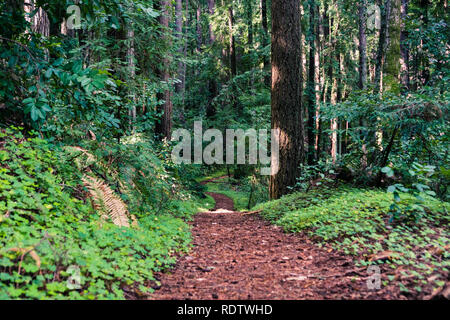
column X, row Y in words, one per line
column 359, row 222
column 54, row 245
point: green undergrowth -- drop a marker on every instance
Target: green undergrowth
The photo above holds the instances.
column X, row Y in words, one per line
column 358, row 222
column 212, row 175
column 206, row 203
column 54, row 245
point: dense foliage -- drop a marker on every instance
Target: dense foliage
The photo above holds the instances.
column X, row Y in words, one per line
column 91, row 91
column 47, row 225
column 357, row 221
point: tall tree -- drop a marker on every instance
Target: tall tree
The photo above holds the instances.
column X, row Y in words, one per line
column 393, row 56
column 211, row 10
column 404, row 48
column 382, row 44
column 233, row 62
column 199, row 26
column 163, row 128
column 311, row 87
column 317, row 77
column 265, row 38
column 249, row 13
column 132, row 70
column 334, row 75
column 179, row 87
column 362, row 17
column 286, row 95
column 212, row 83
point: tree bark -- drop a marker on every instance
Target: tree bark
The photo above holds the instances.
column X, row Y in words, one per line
column 212, row 84
column 233, row 64
column 334, row 78
column 179, row 87
column 265, row 39
column 310, row 87
column 211, row 9
column 249, row 11
column 163, row 128
column 132, row 72
column 382, row 43
column 404, row 49
column 286, row 94
column 393, row 56
column 199, row 27
column 317, row 79
column 39, row 22
column 362, row 15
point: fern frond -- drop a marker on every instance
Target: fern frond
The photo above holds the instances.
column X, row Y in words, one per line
column 105, row 200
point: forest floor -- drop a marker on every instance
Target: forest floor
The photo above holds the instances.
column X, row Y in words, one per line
column 241, row 256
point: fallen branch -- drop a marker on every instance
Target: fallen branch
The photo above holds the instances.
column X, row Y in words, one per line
column 251, row 212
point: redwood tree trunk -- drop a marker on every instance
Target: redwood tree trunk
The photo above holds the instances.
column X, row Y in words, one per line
column 286, row 94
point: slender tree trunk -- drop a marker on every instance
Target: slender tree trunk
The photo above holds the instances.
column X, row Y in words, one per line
column 132, row 72
column 212, row 84
column 382, row 44
column 211, row 10
column 424, row 60
column 199, row 27
column 311, row 88
column 334, row 122
column 286, row 94
column 163, row 128
column 265, row 38
column 233, row 64
column 393, row 56
column 317, row 79
column 334, row 78
column 249, row 11
column 233, row 60
column 362, row 14
column 179, row 87
column 404, row 48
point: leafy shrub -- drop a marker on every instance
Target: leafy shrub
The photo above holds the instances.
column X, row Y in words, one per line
column 47, row 226
column 419, row 189
column 357, row 221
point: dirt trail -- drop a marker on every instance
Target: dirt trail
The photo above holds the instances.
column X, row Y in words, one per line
column 237, row 256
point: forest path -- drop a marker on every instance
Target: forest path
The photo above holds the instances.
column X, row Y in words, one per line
column 241, row 256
